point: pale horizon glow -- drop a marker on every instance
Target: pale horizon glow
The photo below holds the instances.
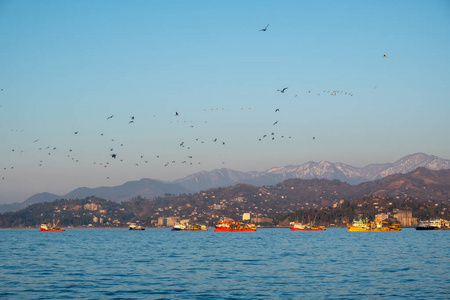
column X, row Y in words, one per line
column 69, row 65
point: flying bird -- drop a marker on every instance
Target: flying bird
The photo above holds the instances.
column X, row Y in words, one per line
column 265, row 28
column 76, row 132
column 384, row 56
column 176, row 113
column 282, row 90
column 110, row 117
column 277, row 110
column 275, row 123
column 113, row 156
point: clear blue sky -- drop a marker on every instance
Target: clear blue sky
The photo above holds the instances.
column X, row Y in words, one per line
column 66, row 66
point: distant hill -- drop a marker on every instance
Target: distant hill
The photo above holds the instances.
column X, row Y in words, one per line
column 202, row 181
column 37, row 198
column 425, row 192
column 146, row 188
column 421, row 184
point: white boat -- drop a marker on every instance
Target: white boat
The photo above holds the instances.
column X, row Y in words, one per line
column 187, row 226
column 133, row 226
column 434, row 224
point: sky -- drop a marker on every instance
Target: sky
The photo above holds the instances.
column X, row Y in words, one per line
column 195, row 86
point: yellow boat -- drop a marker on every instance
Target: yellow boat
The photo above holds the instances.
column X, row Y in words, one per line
column 377, row 225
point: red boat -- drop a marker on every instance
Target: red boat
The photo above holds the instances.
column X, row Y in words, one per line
column 232, row 225
column 45, row 227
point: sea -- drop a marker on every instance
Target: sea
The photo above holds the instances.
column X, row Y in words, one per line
column 274, row 263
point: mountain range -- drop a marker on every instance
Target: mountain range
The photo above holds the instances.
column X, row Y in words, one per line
column 423, row 192
column 201, row 181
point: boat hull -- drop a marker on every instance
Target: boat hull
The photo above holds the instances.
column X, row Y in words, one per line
column 308, row 229
column 427, row 228
column 189, row 227
column 237, row 229
column 362, row 229
column 53, row 229
column 195, row 229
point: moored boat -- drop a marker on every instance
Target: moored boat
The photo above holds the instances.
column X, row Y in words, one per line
column 178, row 227
column 296, row 226
column 49, row 227
column 133, row 226
column 189, row 227
column 232, row 225
column 425, row 225
column 377, row 225
column 434, row 224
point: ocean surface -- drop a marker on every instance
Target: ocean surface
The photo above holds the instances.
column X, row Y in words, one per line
column 266, row 264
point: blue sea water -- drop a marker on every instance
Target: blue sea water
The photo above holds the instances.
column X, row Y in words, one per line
column 266, row 264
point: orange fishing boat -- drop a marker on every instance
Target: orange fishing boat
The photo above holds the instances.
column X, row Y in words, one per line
column 232, row 225
column 377, row 225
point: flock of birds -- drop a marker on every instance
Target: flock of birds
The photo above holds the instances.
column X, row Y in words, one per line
column 45, row 154
column 114, row 148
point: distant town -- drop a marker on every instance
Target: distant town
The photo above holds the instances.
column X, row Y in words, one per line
column 404, row 199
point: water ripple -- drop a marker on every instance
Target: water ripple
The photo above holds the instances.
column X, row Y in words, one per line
column 268, row 263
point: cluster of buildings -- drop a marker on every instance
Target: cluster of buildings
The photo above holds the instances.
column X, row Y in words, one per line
column 246, row 218
column 404, row 217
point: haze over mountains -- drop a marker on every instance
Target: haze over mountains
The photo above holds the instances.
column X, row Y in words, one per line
column 424, row 192
column 149, row 188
